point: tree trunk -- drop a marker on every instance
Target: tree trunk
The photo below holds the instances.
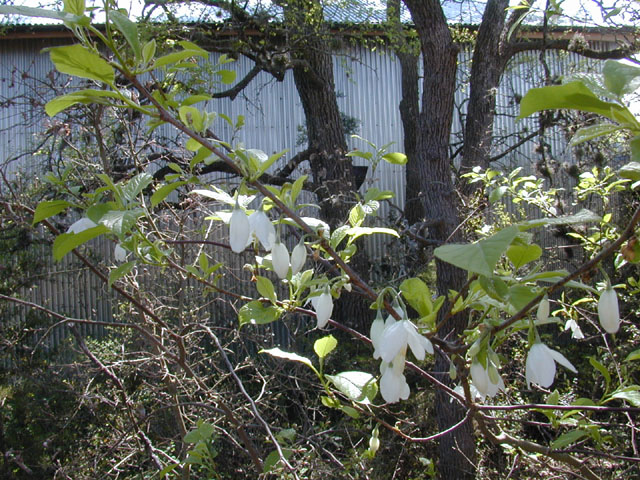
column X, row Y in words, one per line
column 457, row 449
column 489, row 60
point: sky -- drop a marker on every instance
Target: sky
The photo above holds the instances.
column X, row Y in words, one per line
column 575, row 12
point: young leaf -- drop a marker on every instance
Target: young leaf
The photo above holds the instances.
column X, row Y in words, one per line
column 324, row 346
column 256, row 313
column 66, row 242
column 621, row 77
column 48, row 209
column 479, row 257
column 276, row 352
column 358, row 386
column 567, row 439
column 81, row 62
column 120, row 271
column 58, row 104
column 418, row 295
column 163, row 192
column 266, row 289
column 395, row 158
column 121, row 221
column 129, row 30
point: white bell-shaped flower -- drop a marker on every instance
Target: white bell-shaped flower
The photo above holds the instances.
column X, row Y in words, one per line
column 81, row 225
column 262, row 228
column 542, row 313
column 119, row 253
column 239, row 230
column 323, row 305
column 397, row 336
column 375, row 334
column 483, row 381
column 298, row 258
column 393, row 384
column 608, row 310
column 541, row 365
column 280, row 259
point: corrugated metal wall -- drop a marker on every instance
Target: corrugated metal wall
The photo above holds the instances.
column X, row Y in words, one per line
column 368, row 85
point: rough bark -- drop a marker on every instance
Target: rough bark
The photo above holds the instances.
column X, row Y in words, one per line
column 457, row 449
column 489, row 60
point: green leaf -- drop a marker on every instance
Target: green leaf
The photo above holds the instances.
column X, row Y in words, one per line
column 58, row 104
column 136, row 185
column 635, row 355
column 357, row 386
column 129, row 30
column 149, row 51
column 602, row 369
column 294, row 357
column 573, row 95
column 274, row 458
column 395, row 158
column 357, row 215
column 479, row 257
column 418, row 295
column 256, row 313
column 630, row 394
column 227, row 76
column 583, row 216
column 520, row 255
column 121, row 221
column 631, row 171
column 81, row 62
column 497, row 193
column 266, row 289
column 42, row 13
column 621, row 77
column 357, row 232
column 176, row 57
column 66, row 242
column 75, row 7
column 324, row 346
column 567, row 439
column 48, row 209
column 120, row 271
column 520, row 295
column 163, row 192
column 585, row 134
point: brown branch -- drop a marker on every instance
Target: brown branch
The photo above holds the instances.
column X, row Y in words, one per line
column 570, row 46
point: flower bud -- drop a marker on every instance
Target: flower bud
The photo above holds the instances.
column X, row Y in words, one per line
column 298, row 258
column 374, row 445
column 543, row 309
column 119, row 253
column 239, row 230
column 608, row 311
column 323, row 305
column 280, row 259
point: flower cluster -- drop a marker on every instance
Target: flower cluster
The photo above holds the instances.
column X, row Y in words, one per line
column 390, row 340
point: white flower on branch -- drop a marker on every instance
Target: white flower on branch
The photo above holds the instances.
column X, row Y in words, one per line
column 487, row 381
column 393, row 384
column 397, row 336
column 608, row 310
column 323, row 305
column 262, row 228
column 239, row 230
column 298, row 258
column 280, row 259
column 81, row 225
column 541, row 365
column 119, row 253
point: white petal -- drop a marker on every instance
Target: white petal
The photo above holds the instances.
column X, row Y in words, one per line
column 540, row 367
column 239, row 230
column 417, row 342
column 543, row 309
column 393, row 386
column 608, row 311
column 393, row 340
column 562, row 360
column 480, row 377
column 280, row 259
column 377, row 327
column 81, row 225
column 323, row 306
column 494, row 388
column 263, row 229
column 119, row 253
column 298, row 258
